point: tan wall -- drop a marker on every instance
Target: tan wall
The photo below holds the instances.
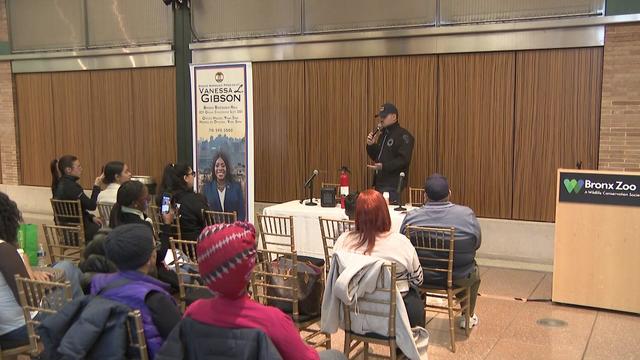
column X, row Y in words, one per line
column 8, row 138
column 99, row 116
column 498, row 125
column 620, row 123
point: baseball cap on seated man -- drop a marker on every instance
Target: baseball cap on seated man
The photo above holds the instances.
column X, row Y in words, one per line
column 386, row 109
column 436, row 187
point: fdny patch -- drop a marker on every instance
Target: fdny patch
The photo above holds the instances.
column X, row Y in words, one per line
column 406, row 138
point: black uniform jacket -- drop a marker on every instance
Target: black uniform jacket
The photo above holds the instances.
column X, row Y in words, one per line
column 393, row 149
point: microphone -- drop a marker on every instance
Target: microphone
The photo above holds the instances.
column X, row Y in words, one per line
column 399, row 192
column 400, row 181
column 315, row 173
column 377, row 129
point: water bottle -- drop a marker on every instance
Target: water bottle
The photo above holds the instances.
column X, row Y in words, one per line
column 41, row 255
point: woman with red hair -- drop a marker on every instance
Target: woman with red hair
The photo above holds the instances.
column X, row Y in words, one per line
column 372, row 236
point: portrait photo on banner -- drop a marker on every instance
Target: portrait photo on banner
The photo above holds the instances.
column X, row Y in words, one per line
column 222, row 144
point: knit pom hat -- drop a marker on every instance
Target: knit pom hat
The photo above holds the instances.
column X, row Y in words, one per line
column 226, row 256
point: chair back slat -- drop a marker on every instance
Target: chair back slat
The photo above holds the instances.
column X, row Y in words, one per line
column 416, row 196
column 40, row 296
column 135, row 334
column 278, row 242
column 435, row 248
column 218, row 217
column 384, row 294
column 104, row 210
column 157, row 222
column 331, row 229
column 185, row 259
column 64, row 243
column 67, row 212
column 276, row 233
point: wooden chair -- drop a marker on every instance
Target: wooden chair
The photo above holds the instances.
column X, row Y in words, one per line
column 184, row 255
column 277, row 241
column 384, row 294
column 157, row 222
column 68, row 213
column 331, row 229
column 13, row 353
column 64, row 243
column 218, row 217
column 104, row 210
column 135, row 333
column 40, row 296
column 435, row 248
column 416, row 196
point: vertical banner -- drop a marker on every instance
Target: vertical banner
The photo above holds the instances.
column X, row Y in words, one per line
column 222, row 108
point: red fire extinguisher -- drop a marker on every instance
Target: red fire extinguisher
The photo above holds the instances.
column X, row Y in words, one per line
column 344, row 184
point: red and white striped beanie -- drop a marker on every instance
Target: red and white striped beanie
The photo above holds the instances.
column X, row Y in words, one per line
column 226, row 257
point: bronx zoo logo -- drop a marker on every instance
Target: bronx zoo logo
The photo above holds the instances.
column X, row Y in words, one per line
column 219, row 77
column 573, row 185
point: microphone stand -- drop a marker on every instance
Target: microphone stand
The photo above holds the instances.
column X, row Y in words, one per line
column 311, row 202
column 399, row 191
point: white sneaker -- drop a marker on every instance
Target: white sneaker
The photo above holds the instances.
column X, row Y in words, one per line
column 473, row 321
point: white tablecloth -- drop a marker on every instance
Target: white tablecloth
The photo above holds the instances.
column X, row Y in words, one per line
column 306, row 226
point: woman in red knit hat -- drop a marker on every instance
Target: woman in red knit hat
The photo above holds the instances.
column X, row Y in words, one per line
column 226, row 257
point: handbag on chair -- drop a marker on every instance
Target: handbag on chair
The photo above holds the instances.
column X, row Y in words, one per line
column 310, row 284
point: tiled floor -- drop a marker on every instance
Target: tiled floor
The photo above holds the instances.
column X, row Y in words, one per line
column 508, row 327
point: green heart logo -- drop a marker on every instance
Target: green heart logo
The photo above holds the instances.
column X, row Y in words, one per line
column 570, row 185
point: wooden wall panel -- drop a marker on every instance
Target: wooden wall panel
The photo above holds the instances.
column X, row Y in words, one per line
column 556, row 123
column 112, row 116
column 154, row 125
column 475, row 130
column 410, row 82
column 36, row 128
column 279, row 130
column 72, row 120
column 338, row 119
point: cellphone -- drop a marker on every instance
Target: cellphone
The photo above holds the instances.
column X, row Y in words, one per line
column 166, row 204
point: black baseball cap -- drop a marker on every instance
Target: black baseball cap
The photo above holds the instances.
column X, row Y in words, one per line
column 386, row 109
column 436, row 187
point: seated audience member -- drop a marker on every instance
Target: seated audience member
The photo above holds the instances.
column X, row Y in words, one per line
column 13, row 330
column 440, row 212
column 177, row 182
column 132, row 202
column 223, row 192
column 373, row 237
column 116, row 173
column 227, row 257
column 132, row 249
column 131, row 208
column 65, row 173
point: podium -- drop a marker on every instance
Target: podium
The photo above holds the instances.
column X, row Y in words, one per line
column 597, row 240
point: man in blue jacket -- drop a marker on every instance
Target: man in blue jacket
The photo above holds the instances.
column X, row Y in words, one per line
column 440, row 212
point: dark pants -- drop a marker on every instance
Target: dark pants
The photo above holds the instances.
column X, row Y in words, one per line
column 415, row 308
column 90, row 230
column 472, row 280
column 393, row 194
column 13, row 339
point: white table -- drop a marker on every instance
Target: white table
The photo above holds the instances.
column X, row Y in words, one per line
column 306, row 226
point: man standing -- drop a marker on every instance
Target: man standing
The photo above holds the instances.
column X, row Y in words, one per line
column 390, row 150
column 440, row 212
